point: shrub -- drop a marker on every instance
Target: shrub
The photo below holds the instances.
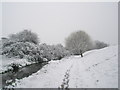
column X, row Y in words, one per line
column 23, row 49
column 53, row 52
column 25, row 36
column 99, row 45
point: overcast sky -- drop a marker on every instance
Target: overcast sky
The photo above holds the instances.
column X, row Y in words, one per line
column 53, row 22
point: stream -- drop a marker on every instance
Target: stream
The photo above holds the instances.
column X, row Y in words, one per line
column 22, row 72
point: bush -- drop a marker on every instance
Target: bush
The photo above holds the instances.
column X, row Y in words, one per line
column 99, row 45
column 22, row 44
column 23, row 49
column 15, row 67
column 53, row 52
column 34, row 52
column 25, row 45
column 60, row 51
column 25, row 36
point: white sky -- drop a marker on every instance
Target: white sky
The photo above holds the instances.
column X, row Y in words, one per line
column 53, row 22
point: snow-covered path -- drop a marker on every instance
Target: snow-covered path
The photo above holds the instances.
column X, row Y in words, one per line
column 97, row 69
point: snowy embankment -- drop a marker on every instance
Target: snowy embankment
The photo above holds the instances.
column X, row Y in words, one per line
column 7, row 62
column 97, row 69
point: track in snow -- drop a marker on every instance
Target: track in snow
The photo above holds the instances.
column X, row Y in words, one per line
column 65, row 83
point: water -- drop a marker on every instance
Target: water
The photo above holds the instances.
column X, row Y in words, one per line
column 22, row 72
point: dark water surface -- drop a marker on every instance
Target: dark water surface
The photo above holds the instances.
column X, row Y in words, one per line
column 22, row 72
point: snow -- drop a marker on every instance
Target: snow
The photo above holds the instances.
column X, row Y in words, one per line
column 97, row 69
column 6, row 62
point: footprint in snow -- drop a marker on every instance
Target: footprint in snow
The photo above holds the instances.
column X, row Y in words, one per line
column 97, row 80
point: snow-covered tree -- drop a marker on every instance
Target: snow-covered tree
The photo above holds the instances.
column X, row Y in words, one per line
column 79, row 42
column 22, row 44
column 53, row 52
column 99, row 45
column 60, row 51
column 25, row 36
column 23, row 49
column 25, row 44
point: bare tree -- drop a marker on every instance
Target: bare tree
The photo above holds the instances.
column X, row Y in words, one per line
column 78, row 42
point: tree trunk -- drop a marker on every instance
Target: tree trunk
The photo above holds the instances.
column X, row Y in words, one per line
column 81, row 55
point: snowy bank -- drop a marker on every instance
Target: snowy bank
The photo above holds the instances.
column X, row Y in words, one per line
column 6, row 62
column 97, row 69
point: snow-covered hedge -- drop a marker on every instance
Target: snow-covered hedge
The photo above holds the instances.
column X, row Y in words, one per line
column 53, row 52
column 25, row 44
column 22, row 49
column 99, row 45
column 34, row 52
column 25, row 36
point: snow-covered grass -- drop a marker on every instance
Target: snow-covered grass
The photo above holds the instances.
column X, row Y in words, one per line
column 6, row 62
column 97, row 69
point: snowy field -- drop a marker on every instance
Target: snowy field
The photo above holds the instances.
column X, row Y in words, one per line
column 97, row 69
